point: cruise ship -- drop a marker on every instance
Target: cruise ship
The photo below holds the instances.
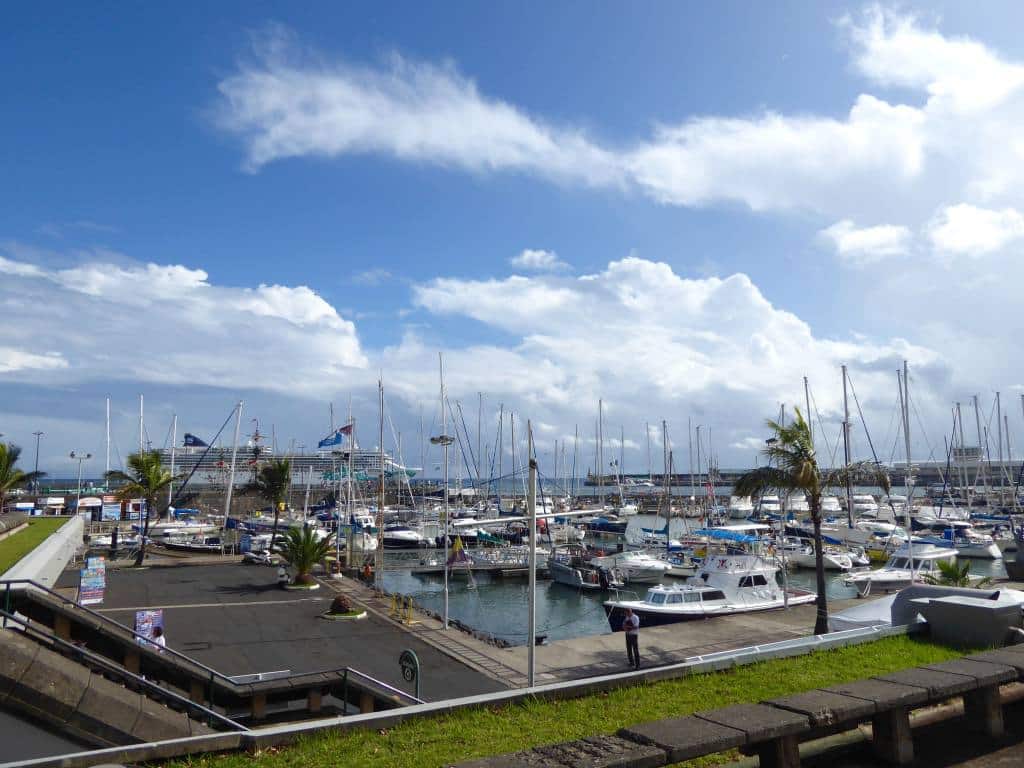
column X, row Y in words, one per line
column 213, row 465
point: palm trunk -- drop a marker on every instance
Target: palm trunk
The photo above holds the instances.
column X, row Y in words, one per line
column 821, row 619
column 145, row 534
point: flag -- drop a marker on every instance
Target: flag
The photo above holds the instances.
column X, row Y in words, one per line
column 335, row 438
column 458, row 553
column 191, row 441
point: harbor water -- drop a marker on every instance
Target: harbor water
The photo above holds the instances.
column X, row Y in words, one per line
column 498, row 606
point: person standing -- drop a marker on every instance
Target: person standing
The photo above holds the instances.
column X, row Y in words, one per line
column 631, row 626
column 158, row 638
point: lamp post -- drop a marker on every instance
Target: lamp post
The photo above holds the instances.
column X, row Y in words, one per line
column 38, row 434
column 79, row 457
column 445, row 441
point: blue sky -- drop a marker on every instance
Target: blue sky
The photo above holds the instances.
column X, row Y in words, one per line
column 731, row 196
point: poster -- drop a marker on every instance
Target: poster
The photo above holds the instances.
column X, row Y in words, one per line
column 245, row 543
column 111, row 509
column 93, row 581
column 147, row 621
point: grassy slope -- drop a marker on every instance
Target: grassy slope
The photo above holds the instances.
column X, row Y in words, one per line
column 466, row 734
column 15, row 547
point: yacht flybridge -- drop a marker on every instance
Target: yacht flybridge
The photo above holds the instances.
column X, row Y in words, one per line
column 736, row 576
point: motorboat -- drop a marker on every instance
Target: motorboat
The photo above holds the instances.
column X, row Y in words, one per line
column 801, row 553
column 636, row 567
column 734, row 578
column 907, row 565
column 398, row 536
column 606, row 523
column 961, row 536
column 680, row 565
column 570, row 564
column 648, row 530
column 196, row 543
column 740, row 507
column 864, row 505
column 796, row 504
column 769, row 506
column 177, row 528
column 830, row 506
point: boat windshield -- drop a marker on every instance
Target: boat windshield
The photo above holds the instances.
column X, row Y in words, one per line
column 713, row 594
column 658, row 598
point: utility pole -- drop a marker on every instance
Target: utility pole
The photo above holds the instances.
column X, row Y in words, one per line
column 107, row 465
column 79, row 457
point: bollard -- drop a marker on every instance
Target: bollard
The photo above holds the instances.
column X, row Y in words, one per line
column 396, row 609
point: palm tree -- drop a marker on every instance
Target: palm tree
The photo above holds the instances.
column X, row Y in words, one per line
column 272, row 483
column 10, row 476
column 146, row 478
column 952, row 574
column 793, row 466
column 302, row 549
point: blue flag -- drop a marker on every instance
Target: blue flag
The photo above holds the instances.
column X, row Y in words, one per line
column 336, row 437
column 191, row 441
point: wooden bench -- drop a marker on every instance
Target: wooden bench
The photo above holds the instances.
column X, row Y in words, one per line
column 773, row 729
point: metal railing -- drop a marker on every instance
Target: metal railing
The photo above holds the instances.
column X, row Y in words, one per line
column 212, row 674
column 129, row 679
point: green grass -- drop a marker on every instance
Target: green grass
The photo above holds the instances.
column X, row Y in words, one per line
column 15, row 547
column 462, row 735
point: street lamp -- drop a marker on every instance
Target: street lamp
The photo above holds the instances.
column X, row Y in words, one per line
column 38, row 434
column 445, row 441
column 79, row 457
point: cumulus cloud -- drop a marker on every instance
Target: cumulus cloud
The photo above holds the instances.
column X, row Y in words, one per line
column 866, row 245
column 959, row 74
column 538, row 261
column 169, row 324
column 972, row 231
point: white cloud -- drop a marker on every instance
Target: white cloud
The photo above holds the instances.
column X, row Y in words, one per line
column 866, row 245
column 284, row 105
column 372, row 277
column 971, row 231
column 957, row 73
column 13, row 359
column 169, row 324
column 538, row 261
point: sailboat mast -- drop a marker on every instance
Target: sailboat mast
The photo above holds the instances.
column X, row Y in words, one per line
column 479, row 433
column 689, row 439
column 379, row 558
column 846, row 453
column 961, row 464
column 650, row 469
column 575, row 452
column 981, row 465
column 142, row 428
column 600, row 449
column 174, row 441
column 807, row 404
column 999, row 440
column 108, row 437
column 909, row 476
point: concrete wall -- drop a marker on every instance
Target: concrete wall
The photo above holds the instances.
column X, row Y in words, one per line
column 45, row 563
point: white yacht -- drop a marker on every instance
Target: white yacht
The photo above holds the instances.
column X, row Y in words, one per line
column 635, row 567
column 796, row 504
column 900, row 572
column 800, row 553
column 398, row 536
column 864, row 505
column 740, row 507
column 570, row 564
column 769, row 505
column 733, row 578
column 830, row 506
column 961, row 536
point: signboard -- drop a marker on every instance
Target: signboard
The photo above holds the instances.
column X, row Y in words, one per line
column 147, row 621
column 93, row 581
column 245, row 543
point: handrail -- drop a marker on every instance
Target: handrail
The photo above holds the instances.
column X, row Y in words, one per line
column 124, row 674
column 213, row 673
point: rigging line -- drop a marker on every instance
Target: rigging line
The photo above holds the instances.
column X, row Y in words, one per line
column 896, row 437
column 821, row 425
column 469, row 443
column 458, row 435
column 195, row 466
column 863, row 422
column 924, row 433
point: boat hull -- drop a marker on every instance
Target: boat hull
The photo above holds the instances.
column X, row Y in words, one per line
column 648, row 618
